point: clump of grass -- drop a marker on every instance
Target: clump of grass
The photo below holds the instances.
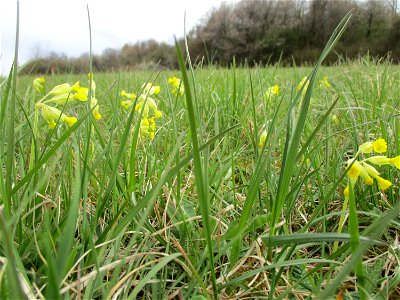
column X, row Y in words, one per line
column 236, row 192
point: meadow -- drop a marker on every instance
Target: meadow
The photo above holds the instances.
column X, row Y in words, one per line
column 204, row 182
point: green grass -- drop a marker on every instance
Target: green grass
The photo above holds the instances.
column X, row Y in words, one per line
column 97, row 211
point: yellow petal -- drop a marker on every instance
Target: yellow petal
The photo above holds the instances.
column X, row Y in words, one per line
column 346, row 191
column 354, row 170
column 396, row 161
column 383, row 183
column 379, row 146
column 263, row 137
column 158, row 114
column 70, row 121
column 368, row 180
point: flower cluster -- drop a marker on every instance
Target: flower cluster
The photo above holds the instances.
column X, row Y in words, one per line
column 52, row 115
column 128, row 99
column 365, row 170
column 323, row 83
column 178, row 88
column 61, row 95
column 271, row 92
column 145, row 104
column 38, row 84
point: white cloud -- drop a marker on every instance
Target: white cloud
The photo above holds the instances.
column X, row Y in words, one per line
column 62, row 26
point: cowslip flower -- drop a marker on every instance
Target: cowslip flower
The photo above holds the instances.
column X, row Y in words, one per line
column 65, row 92
column 323, row 83
column 368, row 173
column 335, row 119
column 304, row 82
column 95, row 107
column 147, row 103
column 378, row 146
column 178, row 88
column 365, row 170
column 263, row 137
column 64, row 88
column 272, row 92
column 93, row 82
column 93, row 101
column 38, row 83
column 147, row 127
column 128, row 99
column 51, row 115
column 150, row 89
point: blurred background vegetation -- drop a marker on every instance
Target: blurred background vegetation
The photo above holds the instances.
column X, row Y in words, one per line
column 256, row 33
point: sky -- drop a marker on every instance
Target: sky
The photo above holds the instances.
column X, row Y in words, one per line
column 61, row 26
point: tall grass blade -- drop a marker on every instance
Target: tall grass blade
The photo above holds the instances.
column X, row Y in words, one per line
column 289, row 161
column 10, row 125
column 202, row 190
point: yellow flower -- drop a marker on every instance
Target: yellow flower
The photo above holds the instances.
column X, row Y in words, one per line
column 150, row 89
column 70, row 121
column 38, row 83
column 335, row 120
column 364, row 174
column 81, row 94
column 64, row 88
column 355, row 169
column 379, row 160
column 323, row 83
column 366, row 171
column 147, row 102
column 366, row 147
column 383, row 183
column 129, row 101
column 175, row 81
column 177, row 85
column 379, row 146
column 139, row 107
column 95, row 111
column 396, row 161
column 152, row 104
column 158, row 114
column 128, row 95
column 147, row 127
column 126, row 104
column 368, row 180
column 263, row 137
column 271, row 92
column 93, row 82
column 64, row 93
column 304, row 82
column 52, row 115
column 346, row 191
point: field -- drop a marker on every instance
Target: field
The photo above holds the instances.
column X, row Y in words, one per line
column 221, row 186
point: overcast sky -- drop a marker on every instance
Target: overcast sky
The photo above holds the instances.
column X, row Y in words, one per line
column 62, row 25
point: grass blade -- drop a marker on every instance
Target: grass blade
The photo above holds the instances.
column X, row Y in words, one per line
column 202, row 190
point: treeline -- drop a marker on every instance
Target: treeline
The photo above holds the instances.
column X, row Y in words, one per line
column 258, row 32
